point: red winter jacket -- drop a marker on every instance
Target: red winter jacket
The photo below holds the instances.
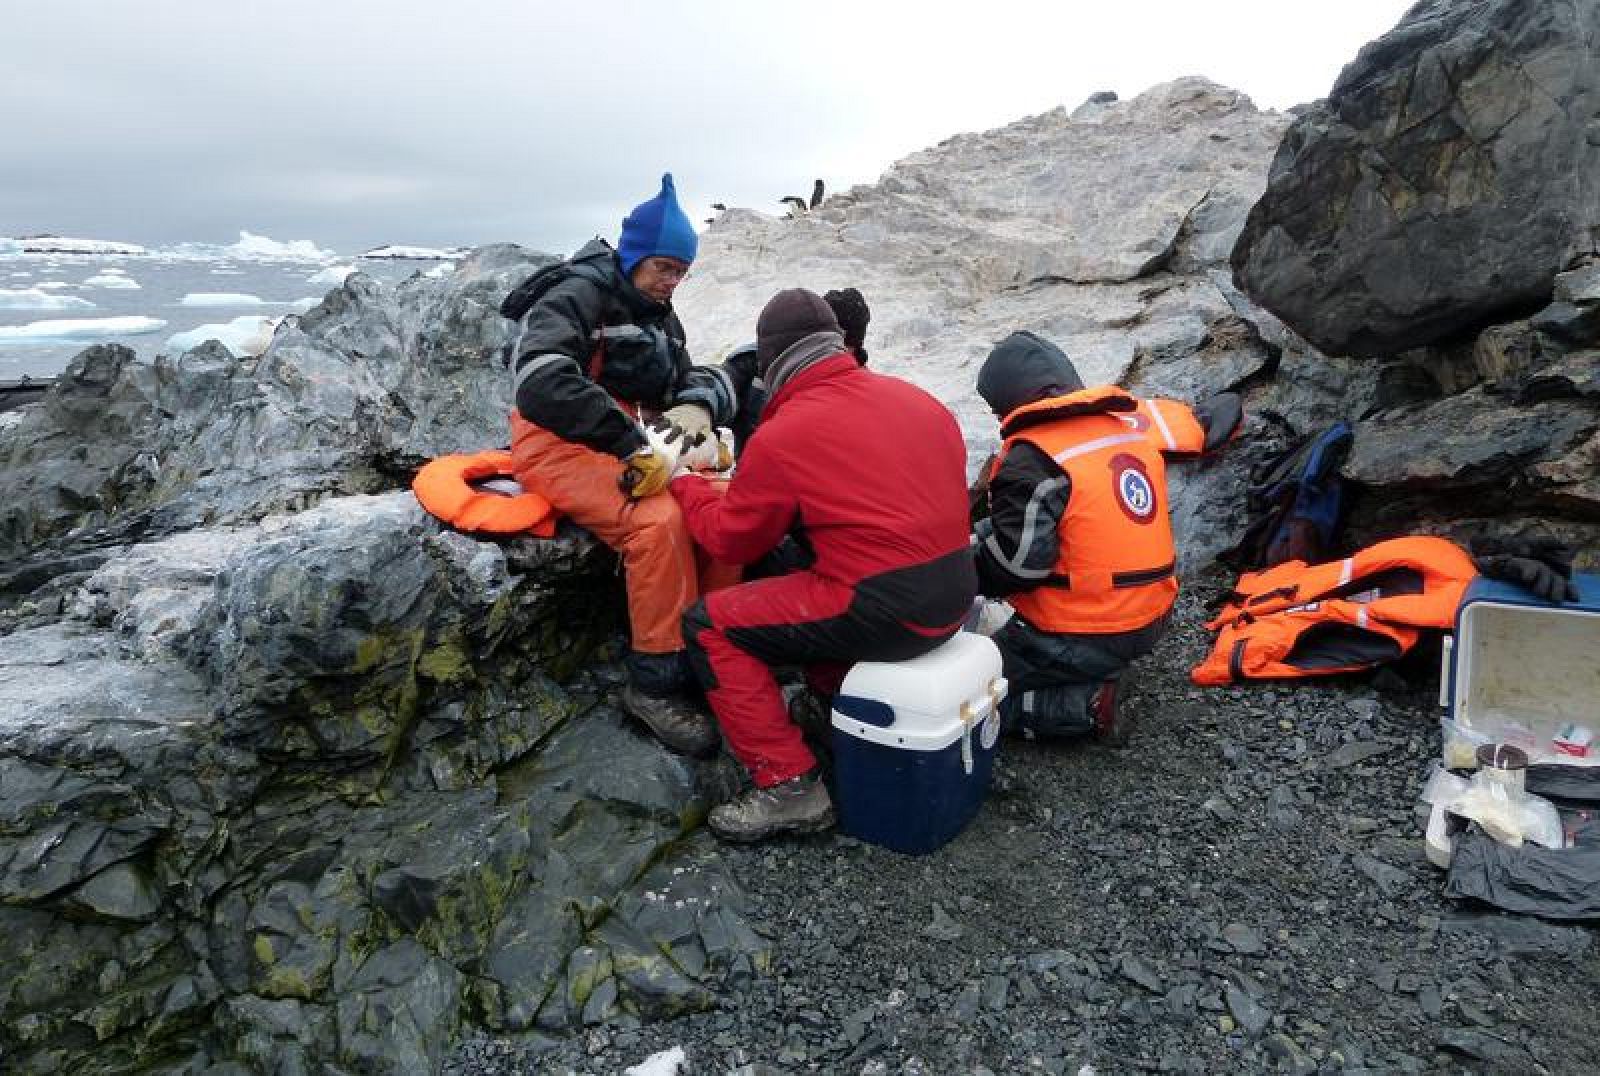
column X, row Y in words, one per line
column 871, row 468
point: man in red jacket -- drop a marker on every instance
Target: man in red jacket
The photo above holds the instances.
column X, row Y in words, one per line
column 871, row 471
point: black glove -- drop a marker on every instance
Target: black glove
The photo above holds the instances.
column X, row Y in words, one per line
column 1537, row 563
column 850, row 311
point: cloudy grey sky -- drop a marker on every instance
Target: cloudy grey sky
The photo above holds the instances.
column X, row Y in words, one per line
column 360, row 122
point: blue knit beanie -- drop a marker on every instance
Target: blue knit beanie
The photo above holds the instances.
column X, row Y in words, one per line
column 658, row 226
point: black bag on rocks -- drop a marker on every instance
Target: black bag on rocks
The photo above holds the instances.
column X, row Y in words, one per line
column 1552, row 883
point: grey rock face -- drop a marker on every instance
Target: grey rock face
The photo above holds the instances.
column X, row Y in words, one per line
column 348, row 398
column 1448, row 177
column 305, row 792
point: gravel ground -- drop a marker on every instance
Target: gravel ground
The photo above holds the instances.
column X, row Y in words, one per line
column 1242, row 889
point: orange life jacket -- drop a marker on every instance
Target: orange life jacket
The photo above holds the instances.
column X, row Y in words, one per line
column 460, row 490
column 1297, row 619
column 1116, row 570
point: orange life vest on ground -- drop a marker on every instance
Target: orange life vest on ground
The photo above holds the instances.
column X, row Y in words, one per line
column 1297, row 619
column 1116, row 570
column 461, row 491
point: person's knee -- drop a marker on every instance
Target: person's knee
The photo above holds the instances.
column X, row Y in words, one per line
column 697, row 622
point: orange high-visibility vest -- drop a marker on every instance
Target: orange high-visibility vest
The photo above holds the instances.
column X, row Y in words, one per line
column 454, row 489
column 1297, row 619
column 1116, row 570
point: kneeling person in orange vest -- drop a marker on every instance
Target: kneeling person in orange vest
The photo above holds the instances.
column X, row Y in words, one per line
column 1078, row 540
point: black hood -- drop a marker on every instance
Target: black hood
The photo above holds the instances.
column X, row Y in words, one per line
column 1023, row 368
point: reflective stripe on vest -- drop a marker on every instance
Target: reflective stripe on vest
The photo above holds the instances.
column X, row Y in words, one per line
column 1115, row 571
column 454, row 489
column 1171, row 426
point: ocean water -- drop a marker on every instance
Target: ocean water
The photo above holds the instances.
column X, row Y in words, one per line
column 38, row 288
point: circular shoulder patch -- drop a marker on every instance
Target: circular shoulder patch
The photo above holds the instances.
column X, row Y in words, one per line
column 1136, row 493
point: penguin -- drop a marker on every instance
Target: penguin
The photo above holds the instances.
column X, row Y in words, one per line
column 816, row 194
column 797, row 205
column 719, row 207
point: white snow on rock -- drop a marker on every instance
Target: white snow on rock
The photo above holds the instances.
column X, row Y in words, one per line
column 55, row 244
column 38, row 299
column 220, row 298
column 443, row 269
column 112, row 278
column 260, row 248
column 412, row 253
column 81, row 329
column 245, row 336
column 665, row 1063
column 332, row 276
column 1093, row 228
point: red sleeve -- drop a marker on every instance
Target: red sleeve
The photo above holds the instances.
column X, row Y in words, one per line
column 748, row 520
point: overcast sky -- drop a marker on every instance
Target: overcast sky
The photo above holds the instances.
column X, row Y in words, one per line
column 357, row 122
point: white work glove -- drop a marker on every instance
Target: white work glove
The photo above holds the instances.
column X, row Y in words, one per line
column 683, row 426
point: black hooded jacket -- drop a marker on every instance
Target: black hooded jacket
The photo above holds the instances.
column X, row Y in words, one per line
column 591, row 339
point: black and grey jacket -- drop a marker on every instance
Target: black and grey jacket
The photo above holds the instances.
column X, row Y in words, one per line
column 591, row 339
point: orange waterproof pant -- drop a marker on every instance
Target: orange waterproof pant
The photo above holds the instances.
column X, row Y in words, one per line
column 663, row 570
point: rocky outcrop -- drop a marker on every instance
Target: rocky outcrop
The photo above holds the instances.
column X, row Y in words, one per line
column 1102, row 228
column 309, row 794
column 1448, row 177
column 349, row 398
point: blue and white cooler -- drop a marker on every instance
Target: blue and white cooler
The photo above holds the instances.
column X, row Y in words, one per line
column 913, row 742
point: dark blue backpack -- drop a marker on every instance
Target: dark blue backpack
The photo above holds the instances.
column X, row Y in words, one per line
column 1296, row 502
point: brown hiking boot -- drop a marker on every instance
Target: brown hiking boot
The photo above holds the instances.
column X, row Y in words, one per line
column 1112, row 725
column 674, row 720
column 798, row 805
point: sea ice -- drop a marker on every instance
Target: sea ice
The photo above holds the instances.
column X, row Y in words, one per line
column 666, row 1063
column 38, row 299
column 10, row 246
column 220, row 298
column 112, row 278
column 332, row 276
column 244, row 336
column 81, row 329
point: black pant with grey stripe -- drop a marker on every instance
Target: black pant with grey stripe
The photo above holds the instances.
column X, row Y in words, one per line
column 1053, row 676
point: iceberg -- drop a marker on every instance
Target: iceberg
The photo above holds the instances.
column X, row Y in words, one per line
column 55, row 244
column 260, row 248
column 332, row 276
column 39, row 299
column 84, row 329
column 425, row 254
column 112, row 278
column 10, row 246
column 220, row 298
column 245, row 336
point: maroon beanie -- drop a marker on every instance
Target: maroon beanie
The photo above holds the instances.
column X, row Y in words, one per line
column 789, row 317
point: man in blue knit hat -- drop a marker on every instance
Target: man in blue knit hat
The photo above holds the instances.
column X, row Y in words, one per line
column 599, row 355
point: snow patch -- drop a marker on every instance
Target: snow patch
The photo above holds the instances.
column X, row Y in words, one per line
column 244, row 336
column 38, row 299
column 666, row 1063
column 440, row 271
column 55, row 244
column 81, row 329
column 424, row 254
column 332, row 276
column 112, row 278
column 220, row 298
